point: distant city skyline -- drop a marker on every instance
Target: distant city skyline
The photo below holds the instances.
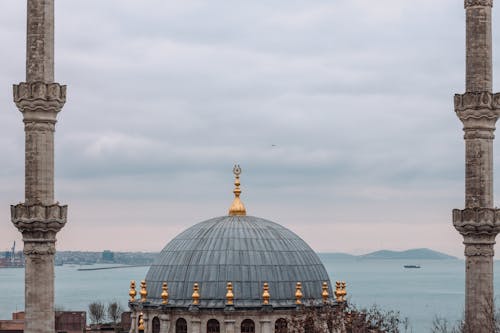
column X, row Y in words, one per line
column 340, row 115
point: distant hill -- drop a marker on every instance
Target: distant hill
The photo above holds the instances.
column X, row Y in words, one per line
column 413, row 254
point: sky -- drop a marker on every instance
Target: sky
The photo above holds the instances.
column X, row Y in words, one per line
column 339, row 112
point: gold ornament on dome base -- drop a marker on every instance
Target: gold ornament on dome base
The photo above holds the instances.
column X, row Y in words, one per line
column 298, row 293
column 141, row 322
column 144, row 291
column 265, row 294
column 164, row 293
column 196, row 294
column 325, row 293
column 340, row 291
column 132, row 291
column 229, row 294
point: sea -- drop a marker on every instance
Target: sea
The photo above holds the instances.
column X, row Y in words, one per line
column 434, row 290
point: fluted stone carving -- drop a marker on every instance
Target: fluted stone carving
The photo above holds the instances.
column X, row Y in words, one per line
column 39, row 97
column 470, row 3
column 479, row 223
column 39, row 218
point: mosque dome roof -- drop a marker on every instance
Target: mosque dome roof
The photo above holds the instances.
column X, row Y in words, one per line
column 244, row 250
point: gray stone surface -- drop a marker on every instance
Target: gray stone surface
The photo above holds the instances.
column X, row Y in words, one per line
column 244, row 250
column 479, row 222
column 39, row 218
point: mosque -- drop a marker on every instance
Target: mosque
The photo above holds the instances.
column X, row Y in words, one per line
column 234, row 273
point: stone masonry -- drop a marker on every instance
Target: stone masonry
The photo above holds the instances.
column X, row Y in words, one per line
column 39, row 218
column 479, row 223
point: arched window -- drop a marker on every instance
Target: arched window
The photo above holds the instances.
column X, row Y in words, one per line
column 247, row 326
column 181, row 326
column 155, row 326
column 213, row 326
column 280, row 326
column 309, row 326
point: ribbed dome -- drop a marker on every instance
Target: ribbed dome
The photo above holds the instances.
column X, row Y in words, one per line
column 244, row 250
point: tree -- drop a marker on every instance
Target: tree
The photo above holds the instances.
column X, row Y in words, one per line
column 96, row 312
column 335, row 318
column 114, row 311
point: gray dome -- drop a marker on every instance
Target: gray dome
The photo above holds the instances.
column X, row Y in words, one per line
column 244, row 250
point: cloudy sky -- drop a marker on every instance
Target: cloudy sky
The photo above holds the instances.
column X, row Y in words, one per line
column 340, row 113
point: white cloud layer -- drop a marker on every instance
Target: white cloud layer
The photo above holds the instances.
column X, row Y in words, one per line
column 340, row 113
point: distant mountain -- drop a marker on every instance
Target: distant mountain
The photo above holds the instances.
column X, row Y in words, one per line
column 413, row 254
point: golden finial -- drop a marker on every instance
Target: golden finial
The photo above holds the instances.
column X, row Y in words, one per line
column 237, row 208
column 340, row 292
column 229, row 294
column 164, row 293
column 265, row 294
column 141, row 322
column 144, row 291
column 196, row 294
column 325, row 294
column 344, row 292
column 298, row 293
column 132, row 291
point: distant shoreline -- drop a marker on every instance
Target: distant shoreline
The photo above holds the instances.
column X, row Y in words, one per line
column 112, row 267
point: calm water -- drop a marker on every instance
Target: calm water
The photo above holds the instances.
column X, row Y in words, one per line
column 420, row 294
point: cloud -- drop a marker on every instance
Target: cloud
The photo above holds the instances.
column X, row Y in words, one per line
column 342, row 107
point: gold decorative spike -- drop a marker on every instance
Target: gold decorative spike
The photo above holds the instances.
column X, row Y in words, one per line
column 164, row 293
column 237, row 208
column 196, row 294
column 338, row 291
column 298, row 293
column 132, row 291
column 344, row 292
column 265, row 294
column 144, row 291
column 325, row 294
column 141, row 322
column 229, row 294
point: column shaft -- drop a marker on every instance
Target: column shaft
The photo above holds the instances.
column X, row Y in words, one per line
column 39, row 290
column 39, row 162
column 479, row 309
column 40, row 41
column 478, row 46
column 479, row 172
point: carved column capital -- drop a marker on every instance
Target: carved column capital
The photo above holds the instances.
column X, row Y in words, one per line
column 484, row 3
column 38, row 221
column 481, row 224
column 479, row 112
column 39, row 101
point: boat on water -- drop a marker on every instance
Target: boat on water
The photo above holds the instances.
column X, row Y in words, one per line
column 411, row 266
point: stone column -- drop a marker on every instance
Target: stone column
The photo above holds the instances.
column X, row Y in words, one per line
column 195, row 325
column 147, row 322
column 479, row 223
column 39, row 218
column 164, row 323
column 133, row 322
column 265, row 325
column 229, row 325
